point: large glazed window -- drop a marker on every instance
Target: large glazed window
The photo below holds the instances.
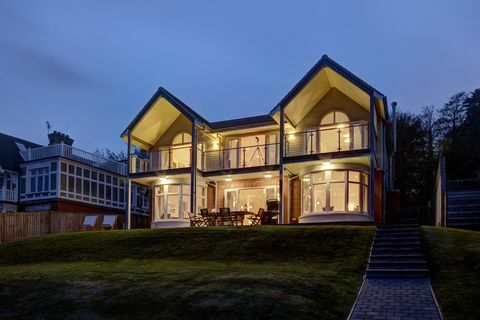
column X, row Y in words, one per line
column 168, row 201
column 335, row 191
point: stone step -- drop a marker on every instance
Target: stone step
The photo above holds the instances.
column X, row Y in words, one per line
column 394, row 226
column 396, row 242
column 395, row 239
column 397, row 256
column 412, row 264
column 390, row 250
column 397, row 273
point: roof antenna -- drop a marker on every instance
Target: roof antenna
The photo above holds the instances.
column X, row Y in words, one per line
column 49, row 126
column 68, row 126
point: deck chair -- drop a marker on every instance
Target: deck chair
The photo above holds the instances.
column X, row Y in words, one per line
column 195, row 221
column 109, row 222
column 256, row 218
column 89, row 223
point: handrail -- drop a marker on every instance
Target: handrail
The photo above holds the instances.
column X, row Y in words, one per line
column 241, row 157
column 341, row 137
column 69, row 152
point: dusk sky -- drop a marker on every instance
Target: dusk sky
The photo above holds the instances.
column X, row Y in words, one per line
column 90, row 66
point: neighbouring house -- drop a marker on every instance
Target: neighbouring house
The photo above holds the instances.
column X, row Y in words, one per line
column 63, row 178
column 323, row 153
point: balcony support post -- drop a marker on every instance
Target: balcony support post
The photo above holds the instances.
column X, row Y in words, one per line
column 371, row 181
column 128, row 208
column 193, row 172
column 280, row 176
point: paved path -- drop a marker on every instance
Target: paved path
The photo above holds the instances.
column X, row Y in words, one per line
column 396, row 285
column 397, row 299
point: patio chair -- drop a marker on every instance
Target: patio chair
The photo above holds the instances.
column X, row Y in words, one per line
column 109, row 221
column 89, row 223
column 195, row 221
column 208, row 219
column 256, row 218
column 225, row 217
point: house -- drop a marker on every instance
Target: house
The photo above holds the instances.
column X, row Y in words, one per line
column 63, row 178
column 323, row 153
column 10, row 160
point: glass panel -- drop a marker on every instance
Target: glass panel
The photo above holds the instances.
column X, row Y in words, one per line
column 340, row 117
column 231, row 200
column 337, row 196
column 328, row 140
column 232, row 154
column 185, row 205
column 252, row 199
column 327, row 119
column 252, row 154
column 365, row 199
column 272, row 149
column 354, row 176
column 71, row 184
column 365, row 178
column 172, row 206
column 344, row 137
column 306, row 199
column 173, row 189
column 311, row 141
column 338, row 176
column 353, row 197
column 63, row 182
column 181, row 157
column 319, row 177
column 270, row 194
column 94, row 189
column 159, row 207
column 319, row 198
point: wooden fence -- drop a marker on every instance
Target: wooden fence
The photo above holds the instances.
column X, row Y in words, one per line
column 19, row 225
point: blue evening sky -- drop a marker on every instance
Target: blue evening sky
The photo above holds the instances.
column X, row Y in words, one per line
column 89, row 66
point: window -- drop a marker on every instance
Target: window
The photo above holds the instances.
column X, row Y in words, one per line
column 171, row 201
column 335, row 191
column 249, row 199
column 182, row 138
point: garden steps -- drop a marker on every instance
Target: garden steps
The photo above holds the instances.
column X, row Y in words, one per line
column 397, row 253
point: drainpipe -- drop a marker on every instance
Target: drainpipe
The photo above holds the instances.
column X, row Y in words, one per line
column 193, row 172
column 394, row 133
column 372, row 159
column 280, row 180
column 129, row 182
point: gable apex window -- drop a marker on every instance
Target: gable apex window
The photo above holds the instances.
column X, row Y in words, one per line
column 182, row 138
column 334, row 117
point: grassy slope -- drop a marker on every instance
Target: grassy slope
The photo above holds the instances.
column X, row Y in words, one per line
column 258, row 273
column 454, row 261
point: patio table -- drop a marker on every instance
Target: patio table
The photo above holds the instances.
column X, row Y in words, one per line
column 239, row 216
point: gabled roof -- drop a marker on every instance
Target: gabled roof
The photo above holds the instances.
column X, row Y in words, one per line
column 326, row 61
column 177, row 103
column 10, row 157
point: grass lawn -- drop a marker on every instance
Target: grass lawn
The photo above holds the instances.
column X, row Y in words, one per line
column 304, row 272
column 454, row 261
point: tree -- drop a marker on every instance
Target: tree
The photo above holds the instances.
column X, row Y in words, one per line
column 112, row 155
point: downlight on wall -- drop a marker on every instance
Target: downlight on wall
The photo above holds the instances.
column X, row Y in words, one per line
column 228, row 179
column 326, row 165
column 163, row 180
column 268, row 175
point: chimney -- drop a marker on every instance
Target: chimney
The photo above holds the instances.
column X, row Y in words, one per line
column 58, row 137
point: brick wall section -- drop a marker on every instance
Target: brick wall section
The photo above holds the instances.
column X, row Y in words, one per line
column 295, row 200
column 210, row 197
column 378, row 197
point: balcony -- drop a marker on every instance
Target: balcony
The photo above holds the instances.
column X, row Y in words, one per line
column 163, row 159
column 211, row 160
column 72, row 153
column 241, row 157
column 8, row 195
column 342, row 137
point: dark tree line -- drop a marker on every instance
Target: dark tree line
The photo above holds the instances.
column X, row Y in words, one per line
column 452, row 130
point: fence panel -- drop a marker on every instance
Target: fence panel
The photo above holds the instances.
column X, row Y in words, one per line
column 20, row 225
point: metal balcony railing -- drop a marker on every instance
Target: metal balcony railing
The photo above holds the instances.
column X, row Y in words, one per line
column 341, row 137
column 241, row 157
column 72, row 153
column 163, row 159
